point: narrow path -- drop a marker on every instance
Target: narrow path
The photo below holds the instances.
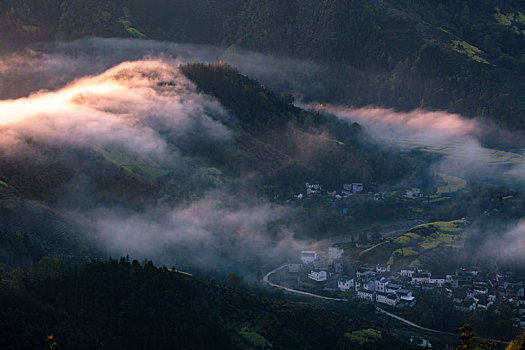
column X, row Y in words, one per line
column 412, row 324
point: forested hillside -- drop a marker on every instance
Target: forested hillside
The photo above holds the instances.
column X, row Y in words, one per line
column 125, row 305
column 461, row 56
column 288, row 146
column 268, row 148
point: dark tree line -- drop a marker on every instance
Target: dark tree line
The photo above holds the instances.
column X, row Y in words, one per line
column 122, row 304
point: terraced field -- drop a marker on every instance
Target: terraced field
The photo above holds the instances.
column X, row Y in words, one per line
column 419, row 244
column 130, row 165
column 450, row 184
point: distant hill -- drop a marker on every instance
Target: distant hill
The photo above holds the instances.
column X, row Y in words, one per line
column 460, row 56
column 288, row 145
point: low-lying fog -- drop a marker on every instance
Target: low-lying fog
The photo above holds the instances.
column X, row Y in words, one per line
column 113, row 93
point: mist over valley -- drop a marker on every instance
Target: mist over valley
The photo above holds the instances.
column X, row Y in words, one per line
column 212, row 186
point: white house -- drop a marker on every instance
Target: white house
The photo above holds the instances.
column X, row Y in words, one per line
column 418, row 278
column 481, row 288
column 313, row 188
column 381, row 297
column 368, row 284
column 317, row 276
column 467, row 305
column 380, row 284
column 406, row 299
column 382, row 268
column 386, row 298
column 358, row 283
column 366, row 273
column 484, row 302
column 404, row 292
column 439, row 280
column 407, row 272
column 344, row 285
column 391, row 287
column 413, row 193
column 308, row 256
column 357, row 187
column 366, row 294
column 335, row 253
column 521, row 302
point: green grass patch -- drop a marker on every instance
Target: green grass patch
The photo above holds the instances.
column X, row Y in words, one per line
column 30, row 29
column 421, row 242
column 136, row 33
column 401, row 253
column 467, row 49
column 451, row 184
column 412, row 235
column 181, row 272
column 437, row 200
column 402, row 240
column 216, row 177
column 436, row 240
column 408, row 251
column 3, row 184
column 254, row 338
column 131, row 165
column 417, row 210
column 444, row 226
column 368, row 250
column 514, row 21
column 456, row 246
column 364, row 336
column 415, row 263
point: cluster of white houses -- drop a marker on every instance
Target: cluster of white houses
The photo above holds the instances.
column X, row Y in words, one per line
column 348, row 190
column 375, row 286
column 468, row 289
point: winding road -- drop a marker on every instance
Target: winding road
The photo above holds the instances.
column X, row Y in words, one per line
column 378, row 309
column 295, row 291
column 389, row 314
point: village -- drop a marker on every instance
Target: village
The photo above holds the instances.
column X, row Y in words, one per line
column 324, row 271
column 350, row 189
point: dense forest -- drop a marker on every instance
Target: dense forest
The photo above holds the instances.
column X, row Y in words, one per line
column 121, row 304
column 461, row 56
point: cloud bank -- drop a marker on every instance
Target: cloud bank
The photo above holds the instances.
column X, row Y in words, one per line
column 457, row 139
column 142, row 107
column 129, row 95
column 507, row 248
column 217, row 232
column 145, row 108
